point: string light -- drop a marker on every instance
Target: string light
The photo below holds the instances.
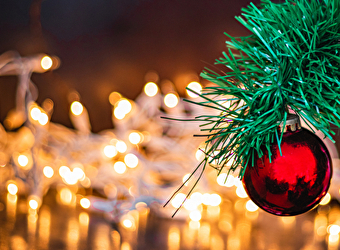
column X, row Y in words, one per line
column 33, row 204
column 206, row 199
column 195, row 86
column 77, row 108
column 135, row 137
column 240, row 192
column 48, row 171
column 225, row 180
column 23, row 160
column 46, row 63
column 185, row 178
column 35, row 113
column 119, row 167
column 121, row 146
column 43, row 119
column 251, row 206
column 151, row 89
column 131, row 160
column 12, row 188
column 85, row 203
column 178, row 200
column 325, row 200
column 215, row 200
column 195, row 215
column 110, row 151
column 171, row 100
column 64, row 171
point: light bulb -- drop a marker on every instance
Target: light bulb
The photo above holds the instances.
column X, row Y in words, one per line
column 12, row 188
column 171, row 100
column 150, row 89
column 195, row 86
column 85, row 203
column 119, row 167
column 48, row 171
column 110, row 151
column 131, row 160
column 23, row 160
column 77, row 108
column 46, row 63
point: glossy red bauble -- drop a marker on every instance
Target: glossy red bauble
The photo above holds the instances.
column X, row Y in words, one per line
column 294, row 182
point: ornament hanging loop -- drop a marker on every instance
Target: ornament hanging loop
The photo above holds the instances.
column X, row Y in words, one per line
column 292, row 124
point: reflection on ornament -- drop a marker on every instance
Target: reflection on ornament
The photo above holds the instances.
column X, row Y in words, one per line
column 295, row 182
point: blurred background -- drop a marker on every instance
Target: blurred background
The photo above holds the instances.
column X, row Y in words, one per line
column 107, row 46
column 97, row 175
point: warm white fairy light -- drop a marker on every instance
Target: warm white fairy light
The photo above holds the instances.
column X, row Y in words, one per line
column 79, row 173
column 185, row 178
column 121, row 146
column 119, row 167
column 46, row 62
column 215, row 200
column 251, row 206
column 23, row 160
column 178, row 200
column 325, row 200
column 333, row 229
column 171, row 100
column 70, row 178
column 199, row 155
column 66, row 196
column 119, row 113
column 64, row 171
column 122, row 108
column 225, row 180
column 85, row 203
column 195, row 86
column 35, row 113
column 135, row 137
column 196, row 197
column 110, row 151
column 150, row 89
column 240, row 192
column 190, row 205
column 131, row 160
column 33, row 204
column 48, row 171
column 43, row 119
column 195, row 215
column 12, row 188
column 77, row 108
column 127, row 223
column 206, row 199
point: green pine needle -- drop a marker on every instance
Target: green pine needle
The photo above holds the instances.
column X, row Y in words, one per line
column 290, row 61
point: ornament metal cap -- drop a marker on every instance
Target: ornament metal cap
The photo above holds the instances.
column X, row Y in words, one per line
column 292, row 123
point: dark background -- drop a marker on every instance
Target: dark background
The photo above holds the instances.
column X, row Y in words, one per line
column 109, row 45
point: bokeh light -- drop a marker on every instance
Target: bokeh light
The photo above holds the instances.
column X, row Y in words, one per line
column 12, row 188
column 195, row 86
column 23, row 160
column 119, row 167
column 46, row 62
column 77, row 108
column 110, row 151
column 85, row 203
column 151, row 89
column 48, row 171
column 135, row 137
column 131, row 160
column 171, row 100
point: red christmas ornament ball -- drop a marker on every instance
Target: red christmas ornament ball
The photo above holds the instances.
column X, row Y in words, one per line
column 295, row 182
